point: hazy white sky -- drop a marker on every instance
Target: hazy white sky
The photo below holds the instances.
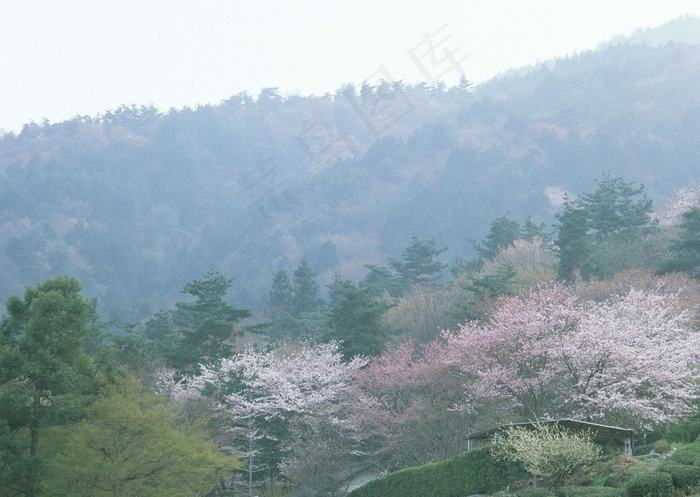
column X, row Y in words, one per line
column 60, row 59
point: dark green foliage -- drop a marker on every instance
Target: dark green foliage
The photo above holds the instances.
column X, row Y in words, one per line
column 536, row 492
column 208, row 325
column 419, row 264
column 650, row 484
column 677, row 434
column 683, row 476
column 693, row 431
column 618, row 209
column 382, row 279
column 688, row 455
column 686, row 248
column 281, row 295
column 662, row 446
column 503, row 233
column 573, row 491
column 641, row 450
column 199, row 331
column 591, row 228
column 472, row 472
column 305, row 289
column 493, row 285
column 573, row 241
column 45, row 377
column 355, row 319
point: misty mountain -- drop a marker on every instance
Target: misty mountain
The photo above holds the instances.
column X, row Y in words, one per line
column 137, row 201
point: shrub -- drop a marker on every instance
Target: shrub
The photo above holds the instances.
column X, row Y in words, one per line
column 689, row 458
column 682, row 476
column 651, row 484
column 617, row 471
column 591, row 492
column 693, row 431
column 662, row 447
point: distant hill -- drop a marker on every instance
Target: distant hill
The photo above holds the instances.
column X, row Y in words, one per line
column 684, row 29
column 136, row 202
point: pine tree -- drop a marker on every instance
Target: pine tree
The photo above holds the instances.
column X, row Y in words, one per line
column 281, row 295
column 45, row 377
column 573, row 241
column 618, row 209
column 207, row 325
column 355, row 319
column 305, row 289
column 199, row 331
column 502, row 234
column 419, row 264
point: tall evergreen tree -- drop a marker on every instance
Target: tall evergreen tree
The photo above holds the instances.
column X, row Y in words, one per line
column 573, row 241
column 305, row 289
column 502, row 234
column 590, row 228
column 617, row 208
column 199, row 331
column 281, row 295
column 45, row 377
column 355, row 319
column 382, row 279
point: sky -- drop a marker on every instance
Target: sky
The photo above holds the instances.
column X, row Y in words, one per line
column 83, row 57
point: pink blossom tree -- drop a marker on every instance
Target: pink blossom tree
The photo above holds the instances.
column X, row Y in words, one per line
column 400, row 405
column 630, row 359
column 512, row 360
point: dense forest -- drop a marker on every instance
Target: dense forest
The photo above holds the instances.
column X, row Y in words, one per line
column 252, row 296
column 138, row 201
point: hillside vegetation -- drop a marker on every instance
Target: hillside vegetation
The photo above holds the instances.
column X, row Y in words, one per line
column 137, row 201
column 270, row 295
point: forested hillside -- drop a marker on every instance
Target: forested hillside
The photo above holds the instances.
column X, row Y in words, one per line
column 273, row 295
column 138, row 201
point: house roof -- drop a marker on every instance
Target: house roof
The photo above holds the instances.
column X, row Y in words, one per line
column 601, row 434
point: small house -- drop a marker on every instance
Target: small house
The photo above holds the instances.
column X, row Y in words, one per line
column 606, row 436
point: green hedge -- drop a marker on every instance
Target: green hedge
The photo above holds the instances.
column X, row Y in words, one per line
column 651, row 484
column 683, row 477
column 689, row 455
column 473, row 472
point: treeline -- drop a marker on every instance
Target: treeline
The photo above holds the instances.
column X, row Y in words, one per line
column 137, row 201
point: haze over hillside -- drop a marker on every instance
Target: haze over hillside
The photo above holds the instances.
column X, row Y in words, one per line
column 137, row 201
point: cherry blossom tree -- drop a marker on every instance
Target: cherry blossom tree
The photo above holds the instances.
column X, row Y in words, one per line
column 400, row 406
column 512, row 359
column 632, row 359
column 685, row 199
column 629, row 359
column 260, row 392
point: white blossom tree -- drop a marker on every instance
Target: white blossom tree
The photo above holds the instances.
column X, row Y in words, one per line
column 260, row 392
column 633, row 358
